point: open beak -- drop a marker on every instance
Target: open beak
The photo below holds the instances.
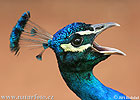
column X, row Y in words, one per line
column 99, row 28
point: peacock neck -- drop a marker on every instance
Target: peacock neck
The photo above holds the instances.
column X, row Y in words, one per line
column 86, row 86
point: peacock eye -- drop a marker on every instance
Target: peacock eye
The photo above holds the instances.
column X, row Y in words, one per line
column 77, row 41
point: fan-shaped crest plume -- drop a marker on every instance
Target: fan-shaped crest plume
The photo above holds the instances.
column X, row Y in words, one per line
column 28, row 34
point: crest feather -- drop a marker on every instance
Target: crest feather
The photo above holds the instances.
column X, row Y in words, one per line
column 28, row 34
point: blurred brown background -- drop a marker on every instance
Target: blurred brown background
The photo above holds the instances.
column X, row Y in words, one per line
column 24, row 75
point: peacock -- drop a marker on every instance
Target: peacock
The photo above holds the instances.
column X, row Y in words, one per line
column 76, row 51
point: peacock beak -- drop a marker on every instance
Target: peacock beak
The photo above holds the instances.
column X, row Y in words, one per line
column 98, row 29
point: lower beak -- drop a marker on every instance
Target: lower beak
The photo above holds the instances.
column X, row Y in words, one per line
column 99, row 28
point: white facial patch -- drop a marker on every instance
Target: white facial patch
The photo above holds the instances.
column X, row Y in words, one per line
column 69, row 47
column 87, row 32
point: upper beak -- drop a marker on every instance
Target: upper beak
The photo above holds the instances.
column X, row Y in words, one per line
column 99, row 28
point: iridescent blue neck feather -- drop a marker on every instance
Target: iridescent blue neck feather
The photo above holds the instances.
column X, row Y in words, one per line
column 86, row 86
column 80, row 79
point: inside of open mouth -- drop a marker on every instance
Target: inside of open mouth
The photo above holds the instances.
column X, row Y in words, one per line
column 100, row 48
column 106, row 50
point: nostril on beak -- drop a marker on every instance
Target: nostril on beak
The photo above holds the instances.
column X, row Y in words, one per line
column 99, row 27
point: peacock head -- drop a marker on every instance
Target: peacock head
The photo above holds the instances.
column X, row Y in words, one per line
column 74, row 45
column 76, row 49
